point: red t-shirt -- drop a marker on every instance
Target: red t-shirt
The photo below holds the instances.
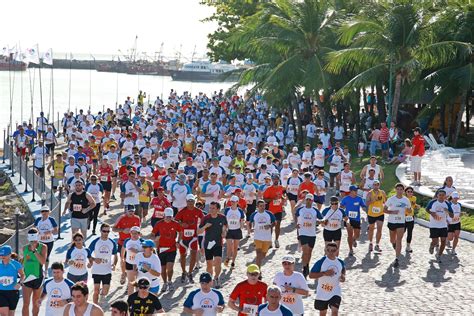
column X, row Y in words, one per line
column 189, row 219
column 168, row 233
column 105, row 174
column 275, row 194
column 166, row 144
column 242, row 203
column 157, row 175
column 249, row 294
column 126, row 221
column 418, row 143
column 123, row 172
column 310, row 186
column 384, row 135
column 159, row 206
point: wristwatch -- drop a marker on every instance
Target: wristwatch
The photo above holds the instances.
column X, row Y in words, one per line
column 294, row 289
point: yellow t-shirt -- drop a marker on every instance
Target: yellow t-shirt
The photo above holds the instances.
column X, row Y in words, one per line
column 412, row 208
column 58, row 168
column 376, row 205
column 144, row 190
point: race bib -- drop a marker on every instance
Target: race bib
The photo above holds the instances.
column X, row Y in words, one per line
column 408, row 218
column 262, row 227
column 79, row 265
column 353, row 214
column 159, row 214
column 398, row 218
column 277, row 202
column 307, row 224
column 21, row 144
column 6, row 280
column 376, row 210
column 289, row 298
column 249, row 309
column 130, row 256
column 54, row 303
column 455, row 219
column 437, row 217
column 77, row 207
column 104, row 178
column 188, row 233
column 327, row 287
column 46, row 237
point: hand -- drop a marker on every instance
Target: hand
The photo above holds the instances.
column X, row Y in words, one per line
column 126, row 231
column 98, row 260
column 329, row 272
column 17, row 286
column 342, row 278
column 219, row 309
column 70, row 262
column 207, row 225
column 89, row 265
column 113, row 267
column 288, row 288
column 198, row 312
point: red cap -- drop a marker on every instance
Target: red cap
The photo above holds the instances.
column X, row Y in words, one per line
column 189, row 159
column 160, row 189
column 237, row 190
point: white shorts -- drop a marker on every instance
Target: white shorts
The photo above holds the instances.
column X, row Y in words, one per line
column 415, row 164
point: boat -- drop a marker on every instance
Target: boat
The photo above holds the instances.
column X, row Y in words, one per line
column 204, row 70
column 139, row 67
column 14, row 65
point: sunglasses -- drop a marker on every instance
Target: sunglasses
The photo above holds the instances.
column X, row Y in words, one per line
column 143, row 287
column 253, row 274
column 334, row 203
column 106, row 231
column 286, row 263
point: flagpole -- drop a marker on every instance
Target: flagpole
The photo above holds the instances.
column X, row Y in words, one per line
column 90, row 82
column 10, row 85
column 70, row 75
column 32, row 91
column 42, row 122
column 52, row 89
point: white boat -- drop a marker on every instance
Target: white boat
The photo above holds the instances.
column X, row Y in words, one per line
column 205, row 71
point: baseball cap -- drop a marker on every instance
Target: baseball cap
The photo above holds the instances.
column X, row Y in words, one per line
column 353, row 188
column 143, row 281
column 77, row 170
column 295, row 148
column 143, row 174
column 376, row 182
column 285, row 161
column 455, row 195
column 275, row 176
column 190, row 197
column 33, row 237
column 189, row 159
column 309, row 196
column 5, row 250
column 205, row 277
column 169, row 211
column 234, row 198
column 130, row 208
column 182, row 177
column 44, row 208
column 275, row 143
column 253, row 268
column 148, row 243
column 264, row 151
column 161, row 165
column 135, row 229
column 288, row 258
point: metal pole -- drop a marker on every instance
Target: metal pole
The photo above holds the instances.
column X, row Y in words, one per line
column 51, row 191
column 11, row 159
column 43, row 198
column 17, row 229
column 390, row 86
column 4, row 144
column 60, row 186
column 20, row 160
column 34, row 176
column 26, row 174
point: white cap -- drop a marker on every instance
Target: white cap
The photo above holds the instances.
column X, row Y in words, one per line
column 181, row 168
column 143, row 174
column 135, row 229
column 33, row 237
column 227, row 146
column 264, row 151
column 295, row 148
column 288, row 258
column 285, row 161
column 169, row 211
column 309, row 196
column 234, row 198
column 161, row 165
column 44, row 208
column 455, row 195
column 190, row 197
column 275, row 144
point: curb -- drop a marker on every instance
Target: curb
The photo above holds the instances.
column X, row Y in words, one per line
column 464, row 234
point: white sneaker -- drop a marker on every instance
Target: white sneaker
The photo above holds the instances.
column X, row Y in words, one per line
column 277, row 244
column 408, row 249
column 448, row 244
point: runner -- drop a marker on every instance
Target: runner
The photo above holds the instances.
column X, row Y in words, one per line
column 204, row 301
column 454, row 224
column 106, row 174
column 34, row 257
column 119, row 308
column 179, row 191
column 47, row 227
column 321, row 188
column 396, row 207
column 345, row 178
column 250, row 190
column 148, row 265
column 235, row 219
column 143, row 302
column 57, row 290
column 379, row 175
column 410, row 217
column 250, row 293
column 352, row 204
column 292, row 186
column 335, row 161
column 212, row 191
column 367, row 183
column 144, row 196
column 79, row 259
column 330, row 271
column 95, row 190
column 158, row 203
column 262, row 222
column 307, row 217
column 375, row 201
column 130, row 190
column 79, row 203
column 102, row 250
column 275, row 196
column 333, row 216
column 273, row 305
column 168, row 236
column 80, row 305
column 11, row 278
column 189, row 217
column 293, row 286
column 439, row 209
column 215, row 226
column 131, row 246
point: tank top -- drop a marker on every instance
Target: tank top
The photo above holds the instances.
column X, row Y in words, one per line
column 240, row 163
column 409, row 216
column 376, row 206
column 86, row 313
column 276, row 154
column 31, row 264
column 376, row 168
column 346, row 180
column 58, row 168
column 78, row 203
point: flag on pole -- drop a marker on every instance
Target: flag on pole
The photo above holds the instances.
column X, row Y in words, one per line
column 33, row 55
column 5, row 51
column 48, row 57
column 14, row 52
column 21, row 57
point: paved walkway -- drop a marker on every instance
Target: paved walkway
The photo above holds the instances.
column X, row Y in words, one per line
column 420, row 285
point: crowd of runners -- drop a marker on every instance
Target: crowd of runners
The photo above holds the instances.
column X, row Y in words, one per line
column 210, row 174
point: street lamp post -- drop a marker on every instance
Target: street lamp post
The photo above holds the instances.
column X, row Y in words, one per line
column 51, row 191
column 4, row 143
column 27, row 158
column 17, row 229
column 60, row 187
column 20, row 165
column 12, row 168
column 33, row 157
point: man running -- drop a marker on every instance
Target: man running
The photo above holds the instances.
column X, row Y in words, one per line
column 235, row 219
column 205, row 300
column 79, row 305
column 352, row 204
column 57, row 290
column 275, row 196
column 375, row 201
column 79, row 203
column 273, row 305
column 262, row 222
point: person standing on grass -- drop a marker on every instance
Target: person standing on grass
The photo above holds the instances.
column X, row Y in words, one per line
column 418, row 151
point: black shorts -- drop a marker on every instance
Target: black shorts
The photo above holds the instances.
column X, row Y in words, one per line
column 318, row 167
column 50, row 147
column 307, row 240
column 215, row 251
column 250, row 209
column 278, row 216
column 102, row 278
column 438, row 232
column 373, row 219
column 334, row 301
column 453, row 227
column 320, row 199
column 234, row 234
column 395, row 226
column 50, row 246
column 115, row 175
column 107, row 185
column 128, row 266
column 332, row 235
column 354, row 224
column 34, row 284
column 167, row 257
column 292, row 197
column 9, row 298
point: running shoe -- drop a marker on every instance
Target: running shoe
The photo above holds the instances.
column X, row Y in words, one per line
column 448, row 244
column 371, row 247
column 453, row 252
column 216, row 283
column 377, row 248
column 431, row 249
column 438, row 258
column 396, row 264
column 170, row 287
column 226, row 262
column 164, row 288
column 351, row 253
column 190, row 278
column 183, row 278
column 113, row 198
column 354, row 244
column 232, row 265
column 277, row 244
column 408, row 249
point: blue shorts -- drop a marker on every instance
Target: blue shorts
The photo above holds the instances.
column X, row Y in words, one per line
column 155, row 289
column 320, row 199
column 385, row 146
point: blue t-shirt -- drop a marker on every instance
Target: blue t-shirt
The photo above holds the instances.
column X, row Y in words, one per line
column 9, row 275
column 352, row 206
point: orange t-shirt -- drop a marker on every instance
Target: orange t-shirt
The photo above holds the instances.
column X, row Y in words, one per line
column 310, row 186
column 275, row 194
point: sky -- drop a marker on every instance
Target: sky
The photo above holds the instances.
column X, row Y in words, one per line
column 105, row 26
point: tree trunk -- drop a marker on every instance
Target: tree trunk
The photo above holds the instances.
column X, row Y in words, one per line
column 381, row 103
column 459, row 118
column 442, row 115
column 468, row 114
column 299, row 122
column 364, row 98
column 322, row 111
column 448, row 108
column 396, row 97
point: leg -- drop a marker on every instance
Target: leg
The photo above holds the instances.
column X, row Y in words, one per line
column 169, row 270
column 259, row 257
column 192, row 261
column 230, row 250
column 36, row 297
column 95, row 298
column 131, row 276
column 370, row 234
column 442, row 246
column 350, row 231
column 456, row 238
column 378, row 235
column 277, row 229
column 398, row 248
column 164, row 274
column 393, row 237
column 334, row 311
column 182, row 261
column 236, row 249
column 105, row 290
column 209, row 264
column 356, row 234
column 217, row 266
column 27, row 292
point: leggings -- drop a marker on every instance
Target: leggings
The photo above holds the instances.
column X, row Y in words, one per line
column 94, row 213
column 409, row 229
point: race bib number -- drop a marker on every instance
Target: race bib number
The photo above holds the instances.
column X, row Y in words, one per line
column 289, row 299
column 79, row 265
column 398, row 218
column 46, row 237
column 353, row 214
column 307, row 224
column 262, row 227
column 437, row 217
column 6, row 280
column 77, row 207
column 104, row 178
column 327, row 287
column 21, row 145
column 188, row 233
column 409, row 218
column 249, row 309
column 159, row 214
column 277, row 202
column 233, row 222
column 376, row 210
column 54, row 303
column 130, row 256
column 104, row 261
column 334, row 224
column 455, row 219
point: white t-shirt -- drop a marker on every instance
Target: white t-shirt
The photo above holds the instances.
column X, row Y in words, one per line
column 291, row 300
column 105, row 250
column 400, row 205
column 328, row 286
column 234, row 217
column 319, row 157
column 439, row 220
column 153, row 262
column 307, row 219
column 56, row 291
column 261, row 220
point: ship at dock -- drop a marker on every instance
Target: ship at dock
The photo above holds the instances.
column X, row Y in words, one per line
column 205, row 71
